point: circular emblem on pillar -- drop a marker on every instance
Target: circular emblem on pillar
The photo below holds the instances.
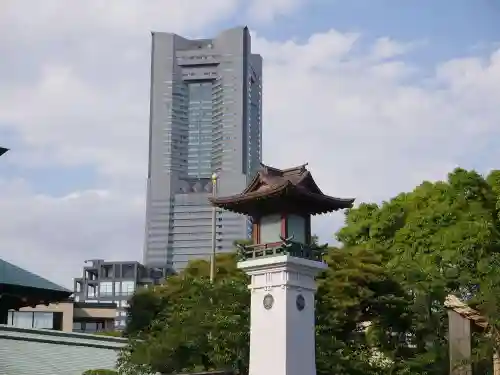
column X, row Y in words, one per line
column 300, row 302
column 268, row 301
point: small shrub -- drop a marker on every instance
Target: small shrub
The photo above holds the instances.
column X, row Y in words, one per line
column 109, row 333
column 100, row 372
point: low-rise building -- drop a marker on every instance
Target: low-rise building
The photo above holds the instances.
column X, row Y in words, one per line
column 27, row 301
column 20, row 288
column 105, row 282
column 66, row 316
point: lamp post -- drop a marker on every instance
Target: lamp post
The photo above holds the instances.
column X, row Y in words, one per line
column 214, row 228
column 4, row 306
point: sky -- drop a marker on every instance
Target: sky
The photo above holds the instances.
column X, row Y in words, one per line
column 376, row 95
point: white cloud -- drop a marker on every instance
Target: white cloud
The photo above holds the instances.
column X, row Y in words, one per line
column 372, row 128
column 48, row 19
column 386, row 48
column 53, row 236
column 268, row 10
column 75, row 89
column 72, row 122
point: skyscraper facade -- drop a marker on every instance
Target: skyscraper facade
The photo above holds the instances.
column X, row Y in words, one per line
column 205, row 117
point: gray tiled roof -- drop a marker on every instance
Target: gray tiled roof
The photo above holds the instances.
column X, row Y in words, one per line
column 13, row 275
column 3, row 150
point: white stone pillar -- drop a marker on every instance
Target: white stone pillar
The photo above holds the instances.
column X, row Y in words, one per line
column 282, row 320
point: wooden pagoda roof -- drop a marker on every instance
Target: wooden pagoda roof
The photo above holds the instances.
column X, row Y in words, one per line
column 274, row 190
column 3, row 150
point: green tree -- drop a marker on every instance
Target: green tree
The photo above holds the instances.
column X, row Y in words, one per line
column 435, row 240
column 225, row 267
column 201, row 326
column 143, row 308
column 354, row 292
column 147, row 303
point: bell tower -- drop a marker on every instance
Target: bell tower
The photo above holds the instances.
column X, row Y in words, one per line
column 282, row 263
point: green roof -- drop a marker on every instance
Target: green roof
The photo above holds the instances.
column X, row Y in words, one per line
column 16, row 276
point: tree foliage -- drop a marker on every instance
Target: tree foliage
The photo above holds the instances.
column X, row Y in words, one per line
column 355, row 291
column 438, row 239
column 200, row 327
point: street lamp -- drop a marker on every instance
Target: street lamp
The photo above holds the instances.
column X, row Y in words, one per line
column 214, row 228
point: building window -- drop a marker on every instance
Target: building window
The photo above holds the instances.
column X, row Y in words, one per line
column 128, row 287
column 35, row 319
column 22, row 319
column 107, row 271
column 118, row 288
column 43, row 320
column 128, row 270
column 91, row 292
column 106, row 288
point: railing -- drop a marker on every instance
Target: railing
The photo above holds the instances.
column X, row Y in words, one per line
column 284, row 247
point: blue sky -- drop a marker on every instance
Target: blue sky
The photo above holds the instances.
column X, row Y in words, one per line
column 446, row 29
column 377, row 95
column 451, row 27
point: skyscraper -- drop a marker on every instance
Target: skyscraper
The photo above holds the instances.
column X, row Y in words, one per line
column 205, row 117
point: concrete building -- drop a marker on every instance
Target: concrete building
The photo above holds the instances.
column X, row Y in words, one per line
column 205, row 117
column 66, row 316
column 114, row 282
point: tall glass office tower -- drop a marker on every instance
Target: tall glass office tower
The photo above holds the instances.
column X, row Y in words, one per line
column 205, row 117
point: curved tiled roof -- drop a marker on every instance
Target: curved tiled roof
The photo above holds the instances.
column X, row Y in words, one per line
column 293, row 184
